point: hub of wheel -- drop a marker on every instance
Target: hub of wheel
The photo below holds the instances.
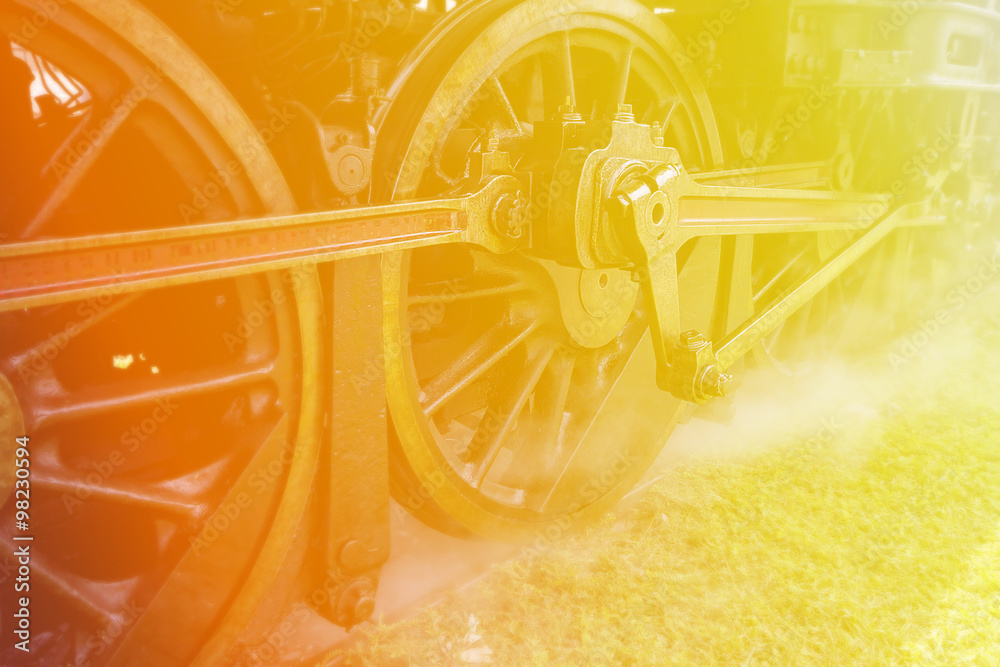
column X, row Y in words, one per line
column 621, row 212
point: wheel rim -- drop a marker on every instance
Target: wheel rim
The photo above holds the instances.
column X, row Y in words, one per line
column 505, row 422
column 118, row 414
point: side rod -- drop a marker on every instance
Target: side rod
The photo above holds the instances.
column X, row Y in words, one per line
column 48, row 272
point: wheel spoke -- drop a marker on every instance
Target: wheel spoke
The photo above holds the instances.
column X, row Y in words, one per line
column 591, row 403
column 550, row 407
column 495, row 89
column 566, row 63
column 495, row 344
column 73, row 594
column 768, row 290
column 789, row 338
column 436, row 294
column 900, row 271
column 113, row 309
column 622, row 76
column 500, row 419
column 537, row 103
column 517, row 425
column 654, row 112
column 95, row 165
column 836, row 302
column 863, row 290
column 158, row 499
column 48, row 411
column 820, row 313
column 558, row 84
column 70, row 173
column 64, row 588
column 670, row 114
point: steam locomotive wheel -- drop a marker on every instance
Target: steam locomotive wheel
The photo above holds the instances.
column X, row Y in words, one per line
column 523, row 394
column 172, row 444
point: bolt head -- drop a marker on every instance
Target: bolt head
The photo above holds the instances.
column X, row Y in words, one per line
column 692, row 339
column 724, row 384
column 619, row 207
column 354, row 556
column 715, row 384
column 364, row 607
column 510, row 215
column 569, row 113
column 356, row 603
column 624, row 113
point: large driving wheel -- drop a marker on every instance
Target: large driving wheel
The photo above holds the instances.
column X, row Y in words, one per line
column 172, row 444
column 523, row 393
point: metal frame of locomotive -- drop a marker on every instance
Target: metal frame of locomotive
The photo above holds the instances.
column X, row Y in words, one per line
column 546, row 231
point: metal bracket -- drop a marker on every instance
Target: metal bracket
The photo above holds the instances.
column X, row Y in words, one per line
column 653, row 214
column 686, row 365
column 358, row 506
